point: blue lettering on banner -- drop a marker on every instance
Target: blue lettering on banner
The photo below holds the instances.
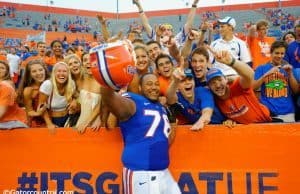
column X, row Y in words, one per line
column 82, row 182
column 77, row 182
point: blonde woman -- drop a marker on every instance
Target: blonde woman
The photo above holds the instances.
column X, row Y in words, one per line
column 75, row 66
column 90, row 99
column 77, row 74
column 57, row 93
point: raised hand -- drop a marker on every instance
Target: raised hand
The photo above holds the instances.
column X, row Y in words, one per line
column 101, row 19
column 178, row 73
column 195, row 2
column 221, row 56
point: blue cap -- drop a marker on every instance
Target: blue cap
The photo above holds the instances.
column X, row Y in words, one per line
column 212, row 73
column 188, row 72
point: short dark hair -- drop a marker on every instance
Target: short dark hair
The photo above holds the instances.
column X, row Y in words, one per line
column 200, row 51
column 278, row 44
column 287, row 33
column 55, row 41
column 261, row 23
column 153, row 42
column 70, row 49
column 143, row 77
column 39, row 42
column 160, row 56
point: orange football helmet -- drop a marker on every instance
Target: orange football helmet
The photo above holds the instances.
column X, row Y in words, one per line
column 113, row 64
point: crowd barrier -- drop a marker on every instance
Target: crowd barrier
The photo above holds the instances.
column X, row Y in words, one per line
column 248, row 159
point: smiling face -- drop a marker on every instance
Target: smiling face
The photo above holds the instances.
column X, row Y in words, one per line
column 37, row 73
column 153, row 50
column 199, row 66
column 225, row 30
column 262, row 31
column 41, row 48
column 165, row 67
column 150, row 87
column 186, row 87
column 61, row 73
column 86, row 63
column 277, row 56
column 57, row 48
column 3, row 71
column 142, row 60
column 289, row 38
column 74, row 65
column 218, row 86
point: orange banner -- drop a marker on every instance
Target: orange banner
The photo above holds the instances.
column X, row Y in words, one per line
column 248, row 159
column 10, row 33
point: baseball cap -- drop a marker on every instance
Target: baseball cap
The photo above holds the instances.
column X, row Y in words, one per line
column 228, row 20
column 188, row 72
column 212, row 73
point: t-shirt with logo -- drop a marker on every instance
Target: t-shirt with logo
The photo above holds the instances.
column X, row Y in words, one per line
column 242, row 105
column 276, row 93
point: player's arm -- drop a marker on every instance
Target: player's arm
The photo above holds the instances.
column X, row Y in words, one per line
column 104, row 29
column 172, row 133
column 123, row 108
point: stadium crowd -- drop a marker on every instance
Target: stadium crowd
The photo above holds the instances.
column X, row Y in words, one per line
column 207, row 75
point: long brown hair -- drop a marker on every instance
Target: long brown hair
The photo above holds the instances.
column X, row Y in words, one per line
column 7, row 75
column 27, row 79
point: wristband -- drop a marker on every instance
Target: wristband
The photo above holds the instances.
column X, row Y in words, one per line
column 194, row 5
column 141, row 11
column 232, row 62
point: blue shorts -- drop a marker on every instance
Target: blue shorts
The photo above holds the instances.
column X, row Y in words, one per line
column 60, row 121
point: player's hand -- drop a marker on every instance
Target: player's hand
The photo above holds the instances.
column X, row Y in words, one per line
column 101, row 19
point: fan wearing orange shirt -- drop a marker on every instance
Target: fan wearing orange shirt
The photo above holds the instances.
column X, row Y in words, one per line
column 237, row 101
column 259, row 43
column 57, row 50
column 164, row 68
column 11, row 115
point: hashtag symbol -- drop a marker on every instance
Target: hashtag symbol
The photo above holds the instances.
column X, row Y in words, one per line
column 26, row 182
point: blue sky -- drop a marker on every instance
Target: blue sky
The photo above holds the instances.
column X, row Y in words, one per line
column 127, row 6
